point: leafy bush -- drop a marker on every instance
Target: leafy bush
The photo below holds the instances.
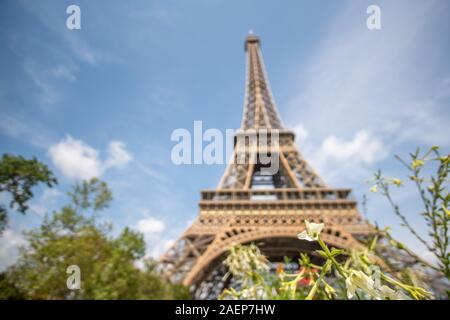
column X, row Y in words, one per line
column 73, row 236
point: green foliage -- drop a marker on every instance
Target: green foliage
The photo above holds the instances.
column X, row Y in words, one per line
column 433, row 192
column 8, row 289
column 71, row 237
column 91, row 193
column 17, row 177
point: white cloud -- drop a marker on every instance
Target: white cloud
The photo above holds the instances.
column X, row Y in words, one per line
column 118, row 155
column 361, row 149
column 300, row 132
column 10, row 241
column 77, row 160
column 336, row 158
column 152, row 229
column 150, row 226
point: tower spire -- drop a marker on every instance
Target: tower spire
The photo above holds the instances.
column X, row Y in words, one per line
column 259, row 106
column 260, row 113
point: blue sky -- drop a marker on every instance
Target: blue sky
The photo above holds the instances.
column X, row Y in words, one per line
column 105, row 99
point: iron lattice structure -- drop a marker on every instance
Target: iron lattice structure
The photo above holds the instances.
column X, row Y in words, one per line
column 248, row 206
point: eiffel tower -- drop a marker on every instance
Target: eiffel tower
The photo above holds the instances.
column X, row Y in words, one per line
column 249, row 206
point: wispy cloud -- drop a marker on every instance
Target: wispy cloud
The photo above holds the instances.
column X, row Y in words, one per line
column 47, row 80
column 25, row 130
column 158, row 175
column 54, row 18
column 64, row 72
column 48, row 95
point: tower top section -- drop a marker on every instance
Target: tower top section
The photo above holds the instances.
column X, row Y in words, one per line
column 260, row 111
column 251, row 38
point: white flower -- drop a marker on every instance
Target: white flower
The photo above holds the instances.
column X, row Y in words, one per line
column 376, row 275
column 358, row 279
column 387, row 293
column 312, row 231
column 383, row 292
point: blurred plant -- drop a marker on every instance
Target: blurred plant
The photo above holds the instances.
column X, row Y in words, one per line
column 17, row 177
column 251, row 267
column 433, row 191
column 343, row 275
